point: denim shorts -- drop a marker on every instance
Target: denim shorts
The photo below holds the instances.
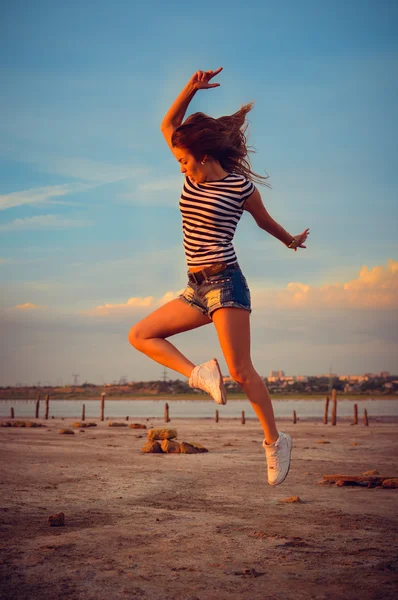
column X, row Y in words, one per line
column 226, row 289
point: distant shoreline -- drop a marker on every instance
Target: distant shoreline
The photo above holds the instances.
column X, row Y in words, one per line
column 199, row 397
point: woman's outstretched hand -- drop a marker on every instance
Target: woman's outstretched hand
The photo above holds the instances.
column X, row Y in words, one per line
column 200, row 79
column 300, row 239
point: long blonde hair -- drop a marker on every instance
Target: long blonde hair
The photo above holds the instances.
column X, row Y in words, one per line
column 224, row 139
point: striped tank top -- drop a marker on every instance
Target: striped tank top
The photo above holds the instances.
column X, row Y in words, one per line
column 210, row 213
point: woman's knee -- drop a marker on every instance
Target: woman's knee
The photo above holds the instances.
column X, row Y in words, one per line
column 136, row 336
column 241, row 373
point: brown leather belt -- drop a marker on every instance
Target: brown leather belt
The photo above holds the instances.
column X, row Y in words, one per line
column 201, row 275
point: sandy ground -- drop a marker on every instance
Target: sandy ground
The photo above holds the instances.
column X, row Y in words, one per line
column 196, row 527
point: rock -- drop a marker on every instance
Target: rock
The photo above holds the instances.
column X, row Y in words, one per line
column 57, row 520
column 170, row 447
column 186, row 448
column 322, row 442
column 139, row 436
column 372, row 472
column 162, row 434
column 198, row 446
column 391, row 483
column 152, row 447
column 33, row 424
column 79, row 425
column 292, row 499
column 116, row 424
column 67, row 431
column 137, row 426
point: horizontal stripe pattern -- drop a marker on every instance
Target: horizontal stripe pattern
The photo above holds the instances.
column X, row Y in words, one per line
column 210, row 213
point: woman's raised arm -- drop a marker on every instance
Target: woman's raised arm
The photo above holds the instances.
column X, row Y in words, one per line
column 175, row 115
column 254, row 205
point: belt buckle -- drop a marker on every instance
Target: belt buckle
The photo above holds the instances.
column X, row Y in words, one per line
column 193, row 275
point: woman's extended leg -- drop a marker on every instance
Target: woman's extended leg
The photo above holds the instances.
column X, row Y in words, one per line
column 233, row 330
column 148, row 336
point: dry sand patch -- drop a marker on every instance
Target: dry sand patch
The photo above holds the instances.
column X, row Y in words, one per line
column 200, row 526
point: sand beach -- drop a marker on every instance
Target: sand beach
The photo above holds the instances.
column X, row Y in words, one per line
column 196, row 527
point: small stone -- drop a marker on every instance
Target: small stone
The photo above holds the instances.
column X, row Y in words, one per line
column 170, row 447
column 79, row 425
column 354, row 444
column 116, row 424
column 67, row 431
column 198, row 446
column 137, row 426
column 32, row 424
column 372, row 472
column 186, row 448
column 292, row 499
column 391, row 483
column 322, row 442
column 152, row 447
column 57, row 520
column 161, row 434
column 139, row 436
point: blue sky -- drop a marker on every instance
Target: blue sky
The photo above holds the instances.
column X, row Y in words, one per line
column 89, row 190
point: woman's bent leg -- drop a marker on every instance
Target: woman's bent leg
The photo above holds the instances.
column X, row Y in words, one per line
column 233, row 330
column 148, row 336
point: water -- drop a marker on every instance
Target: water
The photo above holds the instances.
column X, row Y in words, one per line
column 193, row 408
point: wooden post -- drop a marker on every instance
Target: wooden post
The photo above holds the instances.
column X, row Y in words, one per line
column 11, row 412
column 334, row 407
column 355, row 414
column 83, row 412
column 37, row 407
column 365, row 417
column 216, row 416
column 127, row 418
column 294, row 417
column 243, row 421
column 47, row 407
column 102, row 406
column 166, row 413
column 325, row 414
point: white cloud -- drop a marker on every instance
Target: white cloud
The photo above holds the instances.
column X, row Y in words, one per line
column 131, row 306
column 89, row 170
column 43, row 222
column 28, row 306
column 159, row 192
column 42, row 195
column 375, row 288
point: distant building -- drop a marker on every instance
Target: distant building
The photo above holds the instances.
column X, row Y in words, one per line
column 276, row 375
column 384, row 374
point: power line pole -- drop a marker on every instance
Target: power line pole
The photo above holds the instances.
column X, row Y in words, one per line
column 164, row 375
column 75, row 379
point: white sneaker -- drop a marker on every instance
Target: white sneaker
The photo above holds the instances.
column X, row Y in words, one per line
column 208, row 377
column 278, row 458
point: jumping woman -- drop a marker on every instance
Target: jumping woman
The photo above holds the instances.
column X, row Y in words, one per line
column 218, row 187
